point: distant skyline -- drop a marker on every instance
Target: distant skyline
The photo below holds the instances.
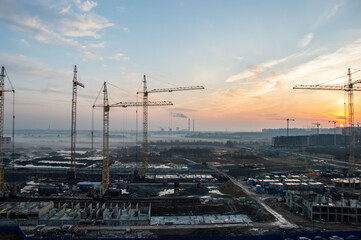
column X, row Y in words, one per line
column 247, row 54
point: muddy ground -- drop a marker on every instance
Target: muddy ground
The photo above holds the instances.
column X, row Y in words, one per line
column 293, row 217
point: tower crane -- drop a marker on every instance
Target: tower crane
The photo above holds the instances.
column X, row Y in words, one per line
column 349, row 88
column 105, row 167
column 72, row 169
column 317, row 124
column 3, row 184
column 288, row 123
column 106, row 108
column 334, row 125
column 334, row 131
column 145, row 117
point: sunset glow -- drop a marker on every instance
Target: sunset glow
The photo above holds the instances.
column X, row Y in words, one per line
column 244, row 53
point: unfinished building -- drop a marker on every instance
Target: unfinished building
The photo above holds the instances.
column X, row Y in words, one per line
column 310, row 140
column 320, row 208
column 47, row 213
column 25, row 212
column 346, row 182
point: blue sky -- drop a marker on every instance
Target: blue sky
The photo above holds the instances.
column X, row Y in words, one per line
column 247, row 54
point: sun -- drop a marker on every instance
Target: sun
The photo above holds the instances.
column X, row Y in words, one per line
column 341, row 125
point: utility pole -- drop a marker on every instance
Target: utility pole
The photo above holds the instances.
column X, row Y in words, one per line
column 72, row 169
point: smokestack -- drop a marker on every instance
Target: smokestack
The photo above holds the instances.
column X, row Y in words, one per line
column 193, row 125
column 189, row 125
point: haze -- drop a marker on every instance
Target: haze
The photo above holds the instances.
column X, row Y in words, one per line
column 247, row 54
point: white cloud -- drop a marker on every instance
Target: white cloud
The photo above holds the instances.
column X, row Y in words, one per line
column 306, row 40
column 23, row 41
column 328, row 69
column 323, row 69
column 65, row 10
column 97, row 45
column 239, row 58
column 120, row 9
column 90, row 55
column 254, row 71
column 125, row 29
column 333, row 11
column 118, row 57
column 83, row 25
column 56, row 25
column 87, row 5
column 28, row 70
column 328, row 14
column 32, row 26
column 327, row 66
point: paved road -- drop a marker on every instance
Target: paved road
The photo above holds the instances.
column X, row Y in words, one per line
column 280, row 222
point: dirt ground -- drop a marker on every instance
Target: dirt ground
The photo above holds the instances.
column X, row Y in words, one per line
column 229, row 188
column 283, row 209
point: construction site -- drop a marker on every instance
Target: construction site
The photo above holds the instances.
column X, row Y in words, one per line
column 194, row 184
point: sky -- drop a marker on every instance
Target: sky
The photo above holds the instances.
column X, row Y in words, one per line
column 247, row 54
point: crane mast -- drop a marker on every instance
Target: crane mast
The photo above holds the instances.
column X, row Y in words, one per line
column 317, row 124
column 145, row 117
column 106, row 109
column 349, row 88
column 144, row 168
column 145, row 105
column 3, row 184
column 72, row 170
column 351, row 165
column 334, row 131
column 105, row 168
column 288, row 124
